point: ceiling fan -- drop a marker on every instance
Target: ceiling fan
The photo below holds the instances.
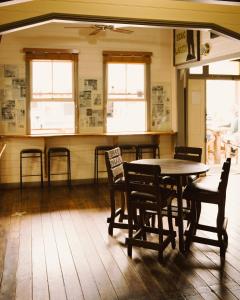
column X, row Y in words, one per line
column 98, row 28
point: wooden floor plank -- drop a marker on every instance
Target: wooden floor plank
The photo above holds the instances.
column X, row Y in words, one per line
column 101, row 277
column 70, row 277
column 40, row 289
column 8, row 283
column 54, row 273
column 88, row 283
column 60, row 249
column 24, row 269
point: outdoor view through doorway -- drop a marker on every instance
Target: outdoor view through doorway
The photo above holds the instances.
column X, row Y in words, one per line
column 222, row 121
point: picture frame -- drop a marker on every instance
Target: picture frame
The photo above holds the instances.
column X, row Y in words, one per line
column 186, row 46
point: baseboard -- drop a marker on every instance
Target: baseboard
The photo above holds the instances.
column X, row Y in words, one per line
column 16, row 185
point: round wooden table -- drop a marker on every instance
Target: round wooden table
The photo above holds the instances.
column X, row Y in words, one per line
column 177, row 168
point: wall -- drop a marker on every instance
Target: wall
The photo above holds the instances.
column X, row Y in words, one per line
column 90, row 67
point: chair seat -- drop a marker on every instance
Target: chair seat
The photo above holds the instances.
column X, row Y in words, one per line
column 202, row 189
column 119, row 184
column 168, row 180
column 166, row 194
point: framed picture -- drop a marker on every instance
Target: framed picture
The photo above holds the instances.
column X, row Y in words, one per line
column 186, row 46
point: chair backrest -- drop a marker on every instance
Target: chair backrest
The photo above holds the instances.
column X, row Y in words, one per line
column 222, row 187
column 188, row 153
column 114, row 165
column 143, row 183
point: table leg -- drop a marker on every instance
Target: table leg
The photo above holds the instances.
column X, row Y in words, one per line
column 180, row 215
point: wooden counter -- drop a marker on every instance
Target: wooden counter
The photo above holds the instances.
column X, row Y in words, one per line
column 112, row 134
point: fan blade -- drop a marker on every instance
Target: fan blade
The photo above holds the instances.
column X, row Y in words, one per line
column 95, row 31
column 121, row 30
column 78, row 27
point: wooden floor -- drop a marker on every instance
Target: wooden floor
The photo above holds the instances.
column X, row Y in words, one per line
column 54, row 245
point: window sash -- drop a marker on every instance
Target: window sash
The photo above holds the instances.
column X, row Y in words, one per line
column 51, row 98
column 128, row 57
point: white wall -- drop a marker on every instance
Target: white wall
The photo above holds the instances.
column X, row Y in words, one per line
column 90, row 65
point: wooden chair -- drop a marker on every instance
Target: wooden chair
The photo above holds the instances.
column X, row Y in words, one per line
column 199, row 192
column 185, row 153
column 116, row 183
column 145, row 195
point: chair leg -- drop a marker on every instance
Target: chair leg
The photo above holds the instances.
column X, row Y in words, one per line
column 170, row 226
column 221, row 232
column 112, row 217
column 122, row 211
column 142, row 223
column 192, row 225
column 130, row 230
column 160, row 237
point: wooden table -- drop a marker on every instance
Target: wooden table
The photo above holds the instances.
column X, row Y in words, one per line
column 177, row 168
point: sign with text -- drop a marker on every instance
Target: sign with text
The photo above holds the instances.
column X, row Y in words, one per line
column 186, row 46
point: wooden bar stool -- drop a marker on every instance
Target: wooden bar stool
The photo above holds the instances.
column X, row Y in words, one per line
column 34, row 154
column 99, row 150
column 128, row 149
column 54, row 152
column 153, row 149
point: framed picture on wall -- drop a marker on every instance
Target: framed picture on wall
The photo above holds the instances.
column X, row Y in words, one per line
column 186, row 46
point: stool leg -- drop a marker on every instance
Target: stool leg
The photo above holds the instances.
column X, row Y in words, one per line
column 69, row 169
column 96, row 177
column 95, row 166
column 20, row 172
column 49, row 169
column 41, row 166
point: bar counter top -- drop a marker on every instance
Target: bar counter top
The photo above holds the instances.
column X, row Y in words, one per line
column 90, row 134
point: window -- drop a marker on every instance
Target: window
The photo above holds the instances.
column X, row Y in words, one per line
column 52, row 99
column 224, row 68
column 126, row 92
column 196, row 70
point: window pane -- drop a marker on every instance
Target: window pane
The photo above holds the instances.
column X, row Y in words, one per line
column 196, row 70
column 62, row 77
column 52, row 79
column 224, row 68
column 116, row 79
column 126, row 116
column 41, row 78
column 52, row 117
column 126, row 81
column 135, row 79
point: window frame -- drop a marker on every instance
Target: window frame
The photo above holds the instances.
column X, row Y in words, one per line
column 51, row 54
column 127, row 57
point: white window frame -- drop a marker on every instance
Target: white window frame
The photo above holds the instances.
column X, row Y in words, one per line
column 52, row 55
column 125, row 57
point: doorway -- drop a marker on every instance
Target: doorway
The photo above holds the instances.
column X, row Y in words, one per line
column 222, row 121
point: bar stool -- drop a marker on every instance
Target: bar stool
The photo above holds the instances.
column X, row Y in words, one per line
column 128, row 149
column 30, row 153
column 99, row 150
column 59, row 152
column 148, row 148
